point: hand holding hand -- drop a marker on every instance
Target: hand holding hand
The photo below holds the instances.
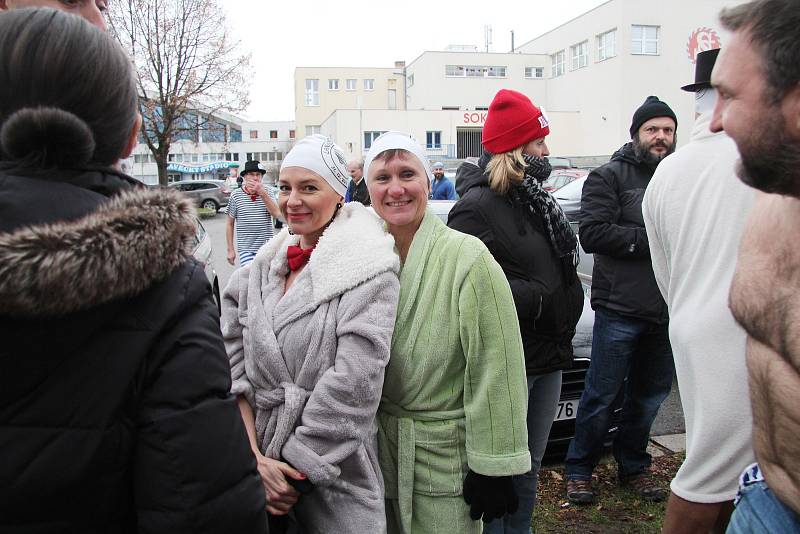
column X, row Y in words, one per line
column 489, row 497
column 281, row 496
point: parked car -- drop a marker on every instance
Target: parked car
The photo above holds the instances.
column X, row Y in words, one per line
column 208, row 194
column 573, row 380
column 569, row 198
column 561, row 177
column 202, row 252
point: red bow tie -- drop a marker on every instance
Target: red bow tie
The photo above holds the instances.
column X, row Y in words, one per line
column 297, row 256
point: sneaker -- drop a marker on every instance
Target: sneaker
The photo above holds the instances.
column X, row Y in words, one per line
column 643, row 485
column 580, row 491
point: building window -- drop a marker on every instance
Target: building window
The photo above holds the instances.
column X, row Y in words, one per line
column 392, row 98
column 312, row 92
column 644, row 40
column 273, row 134
column 350, row 84
column 433, row 140
column 291, row 134
column 534, row 72
column 475, row 71
column 312, row 129
column 558, row 63
column 450, row 108
column 369, row 84
column 606, row 45
column 369, row 137
column 253, row 134
column 333, row 85
column 580, row 55
column 410, row 81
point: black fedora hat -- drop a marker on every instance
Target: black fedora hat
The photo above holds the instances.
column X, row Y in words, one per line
column 702, row 71
column 252, row 166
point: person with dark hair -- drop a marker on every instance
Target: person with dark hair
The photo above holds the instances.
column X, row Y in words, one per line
column 630, row 342
column 757, row 76
column 504, row 205
column 92, row 10
column 115, row 412
column 695, row 200
column 451, row 423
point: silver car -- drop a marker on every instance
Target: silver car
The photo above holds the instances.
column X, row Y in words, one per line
column 208, row 194
column 202, row 252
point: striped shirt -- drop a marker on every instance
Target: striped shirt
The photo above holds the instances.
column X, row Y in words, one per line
column 253, row 222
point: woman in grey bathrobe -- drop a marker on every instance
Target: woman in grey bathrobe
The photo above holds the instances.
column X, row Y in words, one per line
column 308, row 337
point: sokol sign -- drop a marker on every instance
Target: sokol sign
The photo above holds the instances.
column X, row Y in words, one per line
column 476, row 118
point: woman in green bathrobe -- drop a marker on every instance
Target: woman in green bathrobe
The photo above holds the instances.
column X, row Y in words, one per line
column 451, row 423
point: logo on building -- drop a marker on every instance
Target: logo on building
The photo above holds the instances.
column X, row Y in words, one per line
column 702, row 39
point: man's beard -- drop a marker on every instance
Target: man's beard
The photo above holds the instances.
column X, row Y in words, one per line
column 644, row 155
column 770, row 162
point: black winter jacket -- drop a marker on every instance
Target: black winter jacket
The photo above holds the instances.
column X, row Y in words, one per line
column 115, row 412
column 547, row 293
column 612, row 227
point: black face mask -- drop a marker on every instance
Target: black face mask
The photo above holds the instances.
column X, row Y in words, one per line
column 537, row 167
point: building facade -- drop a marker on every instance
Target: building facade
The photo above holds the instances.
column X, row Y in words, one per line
column 588, row 74
column 319, row 91
column 198, row 156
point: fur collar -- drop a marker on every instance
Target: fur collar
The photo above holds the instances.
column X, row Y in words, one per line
column 135, row 239
column 353, row 249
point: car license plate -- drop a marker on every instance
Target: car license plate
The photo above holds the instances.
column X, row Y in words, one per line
column 566, row 410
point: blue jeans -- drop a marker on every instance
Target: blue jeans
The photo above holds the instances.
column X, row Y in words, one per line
column 543, row 394
column 622, row 347
column 760, row 512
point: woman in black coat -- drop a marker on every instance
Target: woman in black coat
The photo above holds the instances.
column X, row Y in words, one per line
column 115, row 411
column 503, row 203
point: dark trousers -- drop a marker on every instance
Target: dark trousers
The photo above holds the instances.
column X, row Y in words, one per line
column 622, row 346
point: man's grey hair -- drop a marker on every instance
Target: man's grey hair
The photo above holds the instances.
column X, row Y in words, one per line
column 359, row 162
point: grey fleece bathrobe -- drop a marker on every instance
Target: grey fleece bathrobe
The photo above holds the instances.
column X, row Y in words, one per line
column 311, row 362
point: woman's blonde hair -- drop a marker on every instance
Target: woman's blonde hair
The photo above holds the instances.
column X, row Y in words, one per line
column 506, row 169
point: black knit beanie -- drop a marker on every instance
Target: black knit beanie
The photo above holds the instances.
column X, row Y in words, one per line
column 652, row 107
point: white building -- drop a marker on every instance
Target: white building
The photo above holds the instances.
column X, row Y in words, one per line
column 217, row 152
column 604, row 63
column 589, row 74
column 319, row 91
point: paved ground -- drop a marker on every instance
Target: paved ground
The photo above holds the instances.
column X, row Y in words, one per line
column 670, row 417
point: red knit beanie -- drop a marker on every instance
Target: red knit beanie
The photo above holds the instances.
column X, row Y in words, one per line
column 512, row 122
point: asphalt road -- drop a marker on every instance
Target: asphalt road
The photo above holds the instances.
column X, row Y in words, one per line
column 668, row 421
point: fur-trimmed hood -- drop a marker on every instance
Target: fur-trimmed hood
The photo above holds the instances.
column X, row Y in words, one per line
column 353, row 249
column 130, row 242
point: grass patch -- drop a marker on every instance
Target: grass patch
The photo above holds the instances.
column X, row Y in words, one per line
column 204, row 213
column 615, row 510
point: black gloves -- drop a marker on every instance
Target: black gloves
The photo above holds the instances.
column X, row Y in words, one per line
column 489, row 497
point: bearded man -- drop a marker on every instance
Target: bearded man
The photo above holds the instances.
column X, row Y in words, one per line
column 757, row 76
column 630, row 337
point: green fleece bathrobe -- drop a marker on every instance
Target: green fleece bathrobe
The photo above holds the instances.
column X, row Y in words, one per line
column 455, row 394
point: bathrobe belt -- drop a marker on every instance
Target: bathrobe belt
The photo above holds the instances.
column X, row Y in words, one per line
column 406, row 446
column 286, row 403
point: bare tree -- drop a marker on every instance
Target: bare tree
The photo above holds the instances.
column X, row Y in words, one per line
column 187, row 67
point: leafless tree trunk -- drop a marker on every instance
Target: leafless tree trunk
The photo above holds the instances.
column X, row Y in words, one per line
column 187, row 67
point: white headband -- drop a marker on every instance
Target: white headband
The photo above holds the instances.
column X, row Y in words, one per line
column 321, row 155
column 397, row 140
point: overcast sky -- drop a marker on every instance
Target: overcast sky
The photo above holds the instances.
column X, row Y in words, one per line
column 285, row 34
